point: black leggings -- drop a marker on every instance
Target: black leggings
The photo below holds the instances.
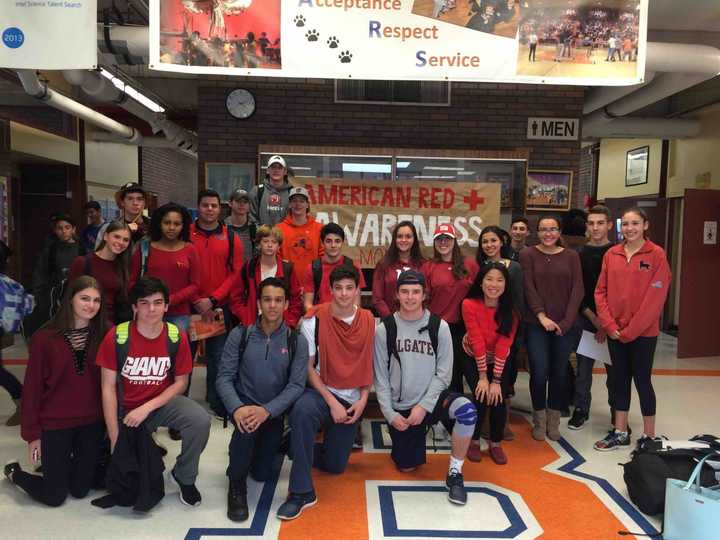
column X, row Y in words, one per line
column 457, row 331
column 633, row 362
column 10, row 383
column 69, row 457
column 498, row 413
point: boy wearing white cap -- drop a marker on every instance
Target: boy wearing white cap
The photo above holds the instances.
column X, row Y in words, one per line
column 269, row 201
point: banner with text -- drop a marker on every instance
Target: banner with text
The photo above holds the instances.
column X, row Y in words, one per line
column 368, row 210
column 531, row 41
column 48, row 34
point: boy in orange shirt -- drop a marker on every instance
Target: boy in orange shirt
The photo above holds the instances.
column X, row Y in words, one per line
column 301, row 233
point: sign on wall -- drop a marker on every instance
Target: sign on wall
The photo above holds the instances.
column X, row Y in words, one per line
column 553, row 129
column 368, row 210
column 48, row 34
column 511, row 40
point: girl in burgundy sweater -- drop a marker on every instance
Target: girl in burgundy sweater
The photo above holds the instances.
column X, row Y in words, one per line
column 553, row 292
column 491, row 321
column 448, row 276
column 109, row 266
column 402, row 254
column 62, row 419
column 172, row 258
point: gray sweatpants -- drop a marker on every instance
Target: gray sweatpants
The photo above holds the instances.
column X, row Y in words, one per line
column 193, row 423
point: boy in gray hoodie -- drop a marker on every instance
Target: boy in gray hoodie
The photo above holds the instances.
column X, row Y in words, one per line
column 269, row 201
column 411, row 385
column 262, row 373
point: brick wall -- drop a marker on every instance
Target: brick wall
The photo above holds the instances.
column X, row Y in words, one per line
column 173, row 176
column 303, row 112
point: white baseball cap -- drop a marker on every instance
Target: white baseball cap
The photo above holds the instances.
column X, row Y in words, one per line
column 299, row 190
column 276, row 159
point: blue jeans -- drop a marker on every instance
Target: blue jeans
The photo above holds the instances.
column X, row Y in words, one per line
column 213, row 352
column 256, row 452
column 548, row 355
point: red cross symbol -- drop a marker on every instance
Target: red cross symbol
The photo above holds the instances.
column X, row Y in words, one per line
column 473, row 200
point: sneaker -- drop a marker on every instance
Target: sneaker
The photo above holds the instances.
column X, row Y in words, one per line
column 614, row 440
column 189, row 494
column 456, row 487
column 439, row 433
column 295, row 504
column 10, row 469
column 497, row 454
column 358, row 442
column 474, row 452
column 237, row 506
column 578, row 419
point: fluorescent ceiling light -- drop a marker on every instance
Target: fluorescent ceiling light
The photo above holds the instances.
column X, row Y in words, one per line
column 367, row 167
column 130, row 91
column 304, row 176
column 443, row 169
column 466, row 173
column 434, row 177
column 402, row 164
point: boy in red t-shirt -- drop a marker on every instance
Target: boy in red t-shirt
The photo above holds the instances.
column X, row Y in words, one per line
column 152, row 384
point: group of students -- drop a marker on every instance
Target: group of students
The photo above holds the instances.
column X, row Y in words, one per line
column 305, row 353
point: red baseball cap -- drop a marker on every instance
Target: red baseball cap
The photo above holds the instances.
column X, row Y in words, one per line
column 444, row 229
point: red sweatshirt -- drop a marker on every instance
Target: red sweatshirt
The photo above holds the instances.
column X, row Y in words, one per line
column 301, row 243
column 180, row 270
column 243, row 299
column 105, row 274
column 484, row 337
column 444, row 291
column 327, row 268
column 384, row 287
column 630, row 294
column 54, row 395
column 215, row 278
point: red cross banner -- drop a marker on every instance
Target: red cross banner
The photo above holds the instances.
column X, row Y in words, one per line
column 368, row 211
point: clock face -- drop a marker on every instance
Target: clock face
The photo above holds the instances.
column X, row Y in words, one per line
column 240, row 103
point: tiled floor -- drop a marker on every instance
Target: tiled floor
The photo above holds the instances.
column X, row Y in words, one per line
column 687, row 405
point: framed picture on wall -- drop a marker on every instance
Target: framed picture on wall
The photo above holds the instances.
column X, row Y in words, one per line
column 506, row 187
column 227, row 177
column 548, row 189
column 636, row 166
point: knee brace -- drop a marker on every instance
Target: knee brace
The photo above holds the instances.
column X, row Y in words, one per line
column 464, row 413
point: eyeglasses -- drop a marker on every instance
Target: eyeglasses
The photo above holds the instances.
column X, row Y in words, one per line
column 549, row 229
column 443, row 239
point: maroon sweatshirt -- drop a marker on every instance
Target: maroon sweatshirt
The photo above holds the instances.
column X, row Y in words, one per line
column 54, row 395
column 105, row 274
column 384, row 288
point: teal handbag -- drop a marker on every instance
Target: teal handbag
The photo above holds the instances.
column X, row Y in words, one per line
column 692, row 512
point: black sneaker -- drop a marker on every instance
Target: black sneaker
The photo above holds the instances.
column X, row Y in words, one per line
column 10, row 469
column 295, row 504
column 613, row 441
column 578, row 419
column 237, row 501
column 456, row 487
column 189, row 494
column 358, row 442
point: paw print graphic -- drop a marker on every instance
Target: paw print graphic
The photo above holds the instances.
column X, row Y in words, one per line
column 333, row 42
column 299, row 21
column 345, row 57
column 312, row 35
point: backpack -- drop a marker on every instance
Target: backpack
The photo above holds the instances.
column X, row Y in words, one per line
column 15, row 304
column 122, row 348
column 433, row 328
column 317, row 274
column 649, row 468
column 248, row 276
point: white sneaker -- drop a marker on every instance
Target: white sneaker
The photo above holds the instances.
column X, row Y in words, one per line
column 440, row 434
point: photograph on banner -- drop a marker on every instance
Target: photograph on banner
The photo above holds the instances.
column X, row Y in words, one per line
column 581, row 39
column 499, row 17
column 223, row 33
column 458, row 40
column 548, row 190
column 368, row 211
column 48, row 35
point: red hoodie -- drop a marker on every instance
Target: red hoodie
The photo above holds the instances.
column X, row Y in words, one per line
column 301, row 243
column 215, row 278
column 243, row 299
column 630, row 294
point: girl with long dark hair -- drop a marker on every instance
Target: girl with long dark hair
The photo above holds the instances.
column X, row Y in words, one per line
column 109, row 265
column 402, row 254
column 491, row 321
column 170, row 256
column 448, row 277
column 553, row 292
column 630, row 294
column 62, row 418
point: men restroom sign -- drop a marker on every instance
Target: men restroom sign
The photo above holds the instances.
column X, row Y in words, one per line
column 553, row 129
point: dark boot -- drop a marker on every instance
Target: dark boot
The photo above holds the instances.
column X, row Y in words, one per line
column 237, row 501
